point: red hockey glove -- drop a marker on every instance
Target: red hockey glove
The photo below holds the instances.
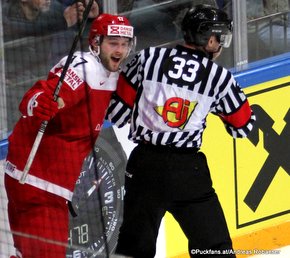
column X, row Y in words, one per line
column 43, row 106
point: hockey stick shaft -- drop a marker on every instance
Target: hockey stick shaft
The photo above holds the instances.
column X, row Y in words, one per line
column 73, row 48
column 44, row 124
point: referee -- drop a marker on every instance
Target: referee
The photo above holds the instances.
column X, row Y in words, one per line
column 166, row 95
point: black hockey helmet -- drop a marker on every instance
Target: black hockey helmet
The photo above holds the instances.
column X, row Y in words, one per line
column 203, row 21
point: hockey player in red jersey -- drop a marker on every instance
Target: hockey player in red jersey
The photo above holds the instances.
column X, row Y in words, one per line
column 38, row 209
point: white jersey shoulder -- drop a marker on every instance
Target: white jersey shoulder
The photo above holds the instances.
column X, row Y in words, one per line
column 87, row 68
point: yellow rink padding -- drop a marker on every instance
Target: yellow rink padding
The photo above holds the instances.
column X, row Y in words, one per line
column 248, row 245
column 236, row 165
column 263, row 240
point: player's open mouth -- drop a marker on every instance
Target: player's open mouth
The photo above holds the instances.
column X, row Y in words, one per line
column 116, row 59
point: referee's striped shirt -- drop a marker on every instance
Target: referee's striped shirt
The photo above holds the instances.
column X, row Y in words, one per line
column 166, row 94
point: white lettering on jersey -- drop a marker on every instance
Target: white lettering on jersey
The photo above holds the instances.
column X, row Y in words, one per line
column 72, row 79
column 98, row 127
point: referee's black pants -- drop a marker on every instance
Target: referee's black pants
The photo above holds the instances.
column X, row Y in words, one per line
column 160, row 179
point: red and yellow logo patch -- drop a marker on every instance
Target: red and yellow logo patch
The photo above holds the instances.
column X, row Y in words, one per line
column 176, row 112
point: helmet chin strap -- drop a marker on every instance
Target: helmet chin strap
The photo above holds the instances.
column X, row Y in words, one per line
column 94, row 52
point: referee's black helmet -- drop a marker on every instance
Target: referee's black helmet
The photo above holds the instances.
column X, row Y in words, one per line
column 203, row 21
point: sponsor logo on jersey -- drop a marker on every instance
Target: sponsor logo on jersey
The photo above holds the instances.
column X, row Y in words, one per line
column 176, row 112
column 72, row 79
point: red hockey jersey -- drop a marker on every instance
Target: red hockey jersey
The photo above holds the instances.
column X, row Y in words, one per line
column 71, row 134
